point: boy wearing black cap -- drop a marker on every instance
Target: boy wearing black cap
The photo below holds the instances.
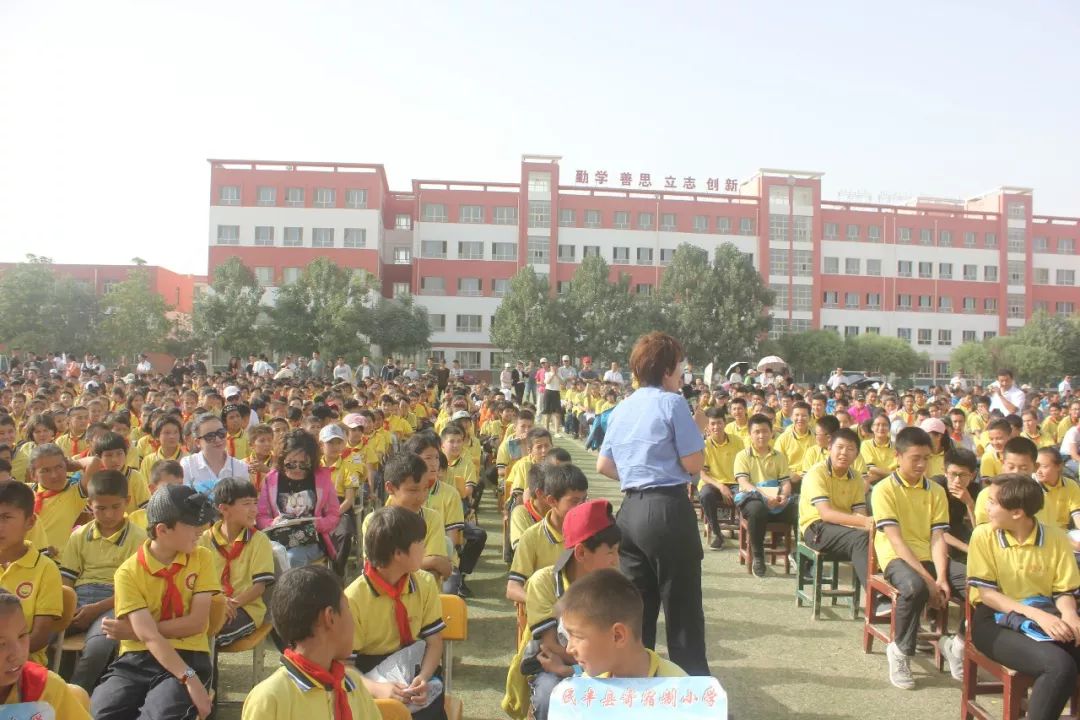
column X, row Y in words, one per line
column 162, row 610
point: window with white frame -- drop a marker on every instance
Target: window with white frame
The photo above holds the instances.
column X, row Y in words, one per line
column 926, row 236
column 590, row 251
column 643, row 289
column 944, row 271
column 969, row 336
column 801, row 297
column 969, row 305
column 539, row 249
column 433, row 285
column 506, row 215
column 990, row 273
column 944, row 304
column 403, row 221
column 803, row 228
column 1066, row 246
column 830, row 265
column 567, row 218
column 990, row 306
column 1040, row 243
column 926, row 336
column 990, row 240
column 778, row 261
column 322, row 237
column 355, row 238
column 903, row 236
column 903, row 301
column 851, row 331
column 969, row 239
column 1016, row 306
column 621, row 220
column 802, row 263
column 592, row 218
column 567, row 253
column 539, row 213
column 903, row 268
column 469, row 359
column 668, row 221
column 356, row 198
column 325, row 198
column 904, row 334
column 852, row 232
column 264, row 276
column 290, row 275
column 469, row 287
column 832, row 231
column 830, row 298
column 926, row 302
column 873, row 267
column 294, row 197
column 264, row 235
column 701, row 223
column 873, row 233
column 944, row 337
column 402, row 256
column 644, row 256
column 504, row 251
column 539, row 182
column 746, row 226
column 645, row 221
column 433, row 212
column 437, row 322
column 562, row 287
column 852, row 266
column 1041, row 276
column 779, row 226
column 1016, row 239
column 780, row 296
column 1016, row 271
column 851, row 300
column 971, row 272
column 469, row 323
column 401, row 289
column 1064, row 309
column 266, row 196
column 667, row 255
column 470, row 250
column 229, row 195
column 500, row 286
column 620, row 255
column 433, row 249
column 873, row 330
column 472, row 214
column 228, row 234
column 1040, row 306
column 723, row 225
column 1065, row 277
column 945, row 238
column 294, row 237
column 873, row 301
column 1017, row 210
column 989, row 334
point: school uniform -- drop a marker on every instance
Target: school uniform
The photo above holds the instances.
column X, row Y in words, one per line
column 658, row 667
column 347, row 475
column 1061, row 504
column 146, row 467
column 138, row 490
column 138, row 518
column 518, row 476
column 434, row 535
column 290, row 693
column 57, row 511
column 990, row 463
column 720, row 466
column 35, row 580
column 239, row 564
column 461, row 475
column 844, row 493
column 37, row 684
column 522, row 517
column 136, row 685
column 733, row 429
column 793, row 445
column 539, row 547
column 768, row 470
column 89, row 562
column 880, row 457
column 919, row 509
column 74, row 446
column 237, row 444
column 1040, row 565
column 960, row 526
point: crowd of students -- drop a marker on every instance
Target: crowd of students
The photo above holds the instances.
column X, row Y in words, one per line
column 148, row 495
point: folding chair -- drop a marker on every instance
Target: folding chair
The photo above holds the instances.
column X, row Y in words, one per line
column 254, row 643
column 61, row 624
column 778, row 544
column 456, row 616
column 214, row 624
column 820, row 563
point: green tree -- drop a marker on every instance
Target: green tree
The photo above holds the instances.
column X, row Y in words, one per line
column 718, row 310
column 602, row 318
column 528, row 322
column 326, row 309
column 134, row 317
column 400, row 327
column 40, row 311
column 877, row 353
column 228, row 316
column 972, row 358
column 813, row 354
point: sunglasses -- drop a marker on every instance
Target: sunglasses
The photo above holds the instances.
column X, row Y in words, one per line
column 214, row 435
column 297, row 466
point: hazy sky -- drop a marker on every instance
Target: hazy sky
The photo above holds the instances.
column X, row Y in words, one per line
column 110, row 109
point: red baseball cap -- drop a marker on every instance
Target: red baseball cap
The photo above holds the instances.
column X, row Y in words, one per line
column 583, row 522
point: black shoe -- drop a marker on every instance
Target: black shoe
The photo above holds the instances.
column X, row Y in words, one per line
column 464, row 590
column 717, row 542
column 758, row 567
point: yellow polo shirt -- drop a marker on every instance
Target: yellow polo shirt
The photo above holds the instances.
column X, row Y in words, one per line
column 990, row 464
column 136, row 589
column 542, row 591
column 55, row 694
column 290, row 693
column 794, row 445
column 255, row 564
column 522, row 517
column 1043, row 564
column 374, row 630
column 1060, row 503
column 35, row 580
column 539, row 546
column 1043, row 439
column 658, row 667
column 518, row 477
column 918, row 509
column 461, row 475
column 91, row 558
column 1063, row 427
column 59, row 513
column 138, row 518
column 445, row 499
column 511, row 449
column 73, row 446
column 237, row 445
column 347, row 475
column 720, row 459
column 434, row 535
column 882, row 457
column 148, row 462
column 758, row 469
column 844, row 493
column 732, row 429
column 138, row 490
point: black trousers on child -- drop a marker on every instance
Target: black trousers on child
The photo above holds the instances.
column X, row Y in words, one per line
column 136, row 687
column 758, row 517
column 914, row 595
column 475, row 538
column 845, row 542
column 712, row 500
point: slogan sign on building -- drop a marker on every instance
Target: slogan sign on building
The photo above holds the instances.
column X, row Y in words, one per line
column 646, row 180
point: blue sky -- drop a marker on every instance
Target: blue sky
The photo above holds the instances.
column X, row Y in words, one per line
column 111, row 108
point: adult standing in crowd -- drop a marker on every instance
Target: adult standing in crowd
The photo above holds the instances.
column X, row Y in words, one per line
column 318, row 367
column 552, row 399
column 614, row 375
column 1005, row 396
column 653, row 448
column 366, row 371
column 587, row 372
column 530, row 383
column 518, row 376
column 342, row 371
column 442, row 376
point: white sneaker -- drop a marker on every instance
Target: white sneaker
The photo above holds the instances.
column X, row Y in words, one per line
column 952, row 649
column 899, row 668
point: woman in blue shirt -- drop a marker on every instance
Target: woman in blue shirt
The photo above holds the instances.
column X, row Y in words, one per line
column 653, row 448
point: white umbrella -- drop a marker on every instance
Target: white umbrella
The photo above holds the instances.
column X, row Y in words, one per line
column 742, row 366
column 771, row 362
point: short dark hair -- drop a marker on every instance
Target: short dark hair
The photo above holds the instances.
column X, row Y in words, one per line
column 603, row 598
column 404, row 467
column 610, row 536
column 911, row 437
column 537, row 433
column 164, row 422
column 1015, row 421
column 560, row 454
column 562, row 479
column 110, row 441
column 715, row 413
column 9, row 602
column 1053, row 453
column 300, row 596
column 422, row 441
column 844, row 434
column 800, row 405
column 1021, row 446
column 18, row 495
column 389, row 530
column 230, row 489
column 962, row 457
column 535, row 478
column 999, row 424
column 1019, row 492
column 829, row 424
column 165, row 467
column 452, row 428
column 111, row 483
column 759, row 419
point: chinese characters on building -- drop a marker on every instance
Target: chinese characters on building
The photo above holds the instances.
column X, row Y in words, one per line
column 645, row 180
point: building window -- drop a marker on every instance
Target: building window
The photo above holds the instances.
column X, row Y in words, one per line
column 567, row 253
column 590, row 251
column 873, row 301
column 853, row 233
column 264, row 276
column 944, row 304
column 1040, row 306
column 778, row 228
column 469, row 359
column 506, row 216
column 990, row 273
column 873, row 330
column 903, row 236
column 803, row 229
column 969, row 305
column 356, row 199
column 851, row 331
column 668, row 222
column 264, row 235
column 830, row 265
column 969, row 336
column 433, row 249
column 403, row 222
column 873, row 267
column 433, row 285
column 1066, row 246
column 622, row 220
column 437, row 322
column 322, row 237
column 800, row 297
column 620, row 255
column 294, row 197
column 645, row 221
column 830, row 298
column 723, row 225
column 1066, row 277
column 802, row 263
column 1015, row 239
column 701, row 223
column 469, row 287
column 539, row 250
column 592, row 218
column 504, row 251
column 1017, row 210
column 904, row 334
column 851, row 301
column 1016, row 272
column 402, row 256
column 832, row 231
column 472, row 214
column 780, row 296
column 500, row 286
column 969, row 239
column 990, row 306
column 562, row 287
column 1040, row 243
column 926, row 303
column 294, row 237
column 470, row 250
column 355, row 238
column 228, row 234
column 990, row 240
column 643, row 289
column 1016, row 306
column 667, row 255
column 1064, row 309
column 644, row 256
column 566, row 218
column 778, row 261
column 945, row 238
column 229, row 195
column 290, row 275
column 989, row 334
column 746, row 226
column 925, row 336
column 325, row 198
column 400, row 289
column 539, row 182
column 944, row 271
column 926, row 236
column 434, row 212
column 468, row 323
column 971, row 272
column 852, row 266
column 1041, row 276
column 873, row 233
column 903, row 268
column 266, row 196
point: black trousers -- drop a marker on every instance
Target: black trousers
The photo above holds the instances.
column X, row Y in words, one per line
column 758, row 517
column 661, row 554
column 914, row 595
column 1053, row 664
column 712, row 500
column 136, row 686
column 845, row 542
column 475, row 539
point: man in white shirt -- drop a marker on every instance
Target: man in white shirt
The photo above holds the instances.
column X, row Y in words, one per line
column 1069, row 450
column 1005, row 396
column 365, row 370
column 567, row 372
column 613, row 375
column 506, row 381
column 411, row 373
column 261, row 367
column 836, row 379
column 342, row 371
column 552, row 405
column 144, row 367
column 1065, row 387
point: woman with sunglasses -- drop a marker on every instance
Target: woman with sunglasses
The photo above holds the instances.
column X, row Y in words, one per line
column 298, row 504
column 204, row 469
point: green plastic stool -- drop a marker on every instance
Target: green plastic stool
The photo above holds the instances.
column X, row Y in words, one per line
column 825, row 582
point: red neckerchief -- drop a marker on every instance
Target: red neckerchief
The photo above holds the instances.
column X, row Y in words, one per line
column 333, row 678
column 535, row 515
column 230, row 442
column 230, row 554
column 401, row 614
column 346, row 453
column 74, row 445
column 32, row 681
column 40, row 496
column 172, row 602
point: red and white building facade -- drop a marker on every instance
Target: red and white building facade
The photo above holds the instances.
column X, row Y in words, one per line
column 934, row 272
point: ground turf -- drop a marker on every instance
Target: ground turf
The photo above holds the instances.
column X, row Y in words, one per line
column 771, row 658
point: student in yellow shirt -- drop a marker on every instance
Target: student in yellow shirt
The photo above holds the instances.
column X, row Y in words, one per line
column 999, row 432
column 39, row 430
column 530, row 512
column 717, row 484
column 512, row 447
column 1018, row 455
column 27, row 573
column 1069, row 420
column 162, row 609
column 348, row 479
column 941, row 445
column 912, row 515
column 260, row 461
column 120, row 423
column 877, row 452
column 460, row 472
column 1061, row 506
column 1026, row 569
column 22, row 680
column 73, row 442
column 602, row 614
column 164, row 472
column 796, row 440
column 88, row 564
column 58, row 503
column 312, row 618
column 112, row 448
column 757, row 468
column 236, row 441
column 1050, row 423
column 1034, row 433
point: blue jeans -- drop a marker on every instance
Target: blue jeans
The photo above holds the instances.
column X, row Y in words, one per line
column 99, row 650
column 295, row 557
column 542, row 684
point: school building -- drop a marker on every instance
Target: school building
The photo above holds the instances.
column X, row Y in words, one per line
column 935, row 272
